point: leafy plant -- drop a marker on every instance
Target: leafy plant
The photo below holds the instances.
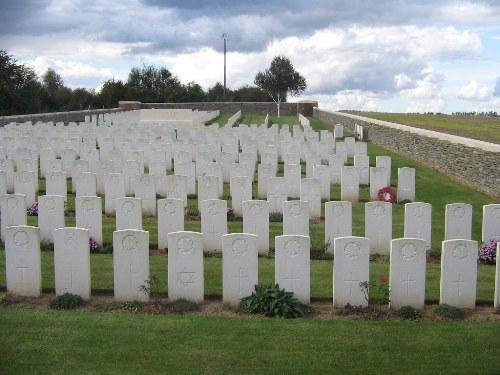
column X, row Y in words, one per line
column 151, row 287
column 409, row 312
column 487, row 253
column 46, row 245
column 376, row 291
column 66, row 301
column 449, row 312
column 275, row 217
column 182, row 305
column 270, row 300
column 191, row 213
column 230, row 214
column 94, row 246
column 132, row 305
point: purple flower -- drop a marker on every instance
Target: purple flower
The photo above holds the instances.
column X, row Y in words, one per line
column 33, row 210
column 487, row 253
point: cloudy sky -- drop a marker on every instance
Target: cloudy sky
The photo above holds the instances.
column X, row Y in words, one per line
column 381, row 55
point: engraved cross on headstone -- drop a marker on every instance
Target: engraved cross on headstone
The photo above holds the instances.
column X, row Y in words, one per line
column 240, row 277
column 459, row 283
column 351, row 281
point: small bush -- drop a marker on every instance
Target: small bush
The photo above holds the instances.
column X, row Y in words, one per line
column 409, row 312
column 182, row 306
column 94, row 246
column 191, row 213
column 272, row 301
column 230, row 214
column 132, row 305
column 66, row 301
column 33, row 210
column 46, row 245
column 275, row 217
column 449, row 312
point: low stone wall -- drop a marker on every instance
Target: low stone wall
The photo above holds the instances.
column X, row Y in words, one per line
column 230, row 108
column 471, row 166
column 74, row 116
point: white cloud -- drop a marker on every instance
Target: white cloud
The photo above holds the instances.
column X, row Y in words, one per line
column 475, row 91
column 354, row 100
column 492, row 105
column 402, row 81
column 436, row 105
column 428, row 87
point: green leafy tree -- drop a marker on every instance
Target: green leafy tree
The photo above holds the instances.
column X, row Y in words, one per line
column 280, row 80
column 191, row 93
column 55, row 96
column 216, row 94
column 112, row 92
column 20, row 89
column 251, row 94
column 150, row 84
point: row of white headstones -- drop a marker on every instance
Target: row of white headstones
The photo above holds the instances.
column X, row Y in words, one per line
column 294, row 211
column 240, row 267
column 255, row 213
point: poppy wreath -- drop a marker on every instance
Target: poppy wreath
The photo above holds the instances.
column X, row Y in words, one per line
column 387, row 194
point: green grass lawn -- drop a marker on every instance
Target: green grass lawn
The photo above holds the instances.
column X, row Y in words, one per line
column 41, row 341
column 44, row 341
column 476, row 127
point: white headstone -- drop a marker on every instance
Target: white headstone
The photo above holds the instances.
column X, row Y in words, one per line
column 170, row 219
column 310, row 191
column 188, row 169
column 296, row 218
column 256, row 221
column 378, row 180
column 185, row 266
column 322, row 173
column 128, row 213
column 418, row 222
column 458, row 221
column 50, row 216
column 406, row 184
column 241, row 190
column 114, row 188
column 264, row 172
column 407, row 273
column 338, row 131
column 86, row 185
column 362, row 162
column 351, row 267
column 24, row 184
column 13, row 212
column 491, row 222
column 292, row 265
column 177, row 187
column 208, row 188
column 55, row 184
column 335, row 164
column 378, row 226
column 496, row 300
column 338, row 222
column 23, row 261
column 276, row 193
column 72, row 261
column 130, row 264
column 385, row 161
column 239, row 266
column 88, row 213
column 145, row 189
column 459, row 273
column 213, row 223
column 349, row 187
column 7, row 165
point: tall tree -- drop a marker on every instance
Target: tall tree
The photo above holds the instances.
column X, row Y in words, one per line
column 151, row 84
column 280, row 80
column 19, row 87
column 55, row 96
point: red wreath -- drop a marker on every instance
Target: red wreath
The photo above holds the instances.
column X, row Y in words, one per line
column 387, row 194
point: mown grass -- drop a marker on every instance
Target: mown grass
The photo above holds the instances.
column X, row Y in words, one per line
column 476, row 127
column 42, row 341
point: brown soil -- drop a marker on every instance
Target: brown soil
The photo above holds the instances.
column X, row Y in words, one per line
column 320, row 310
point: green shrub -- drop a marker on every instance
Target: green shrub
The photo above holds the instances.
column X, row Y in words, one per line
column 275, row 217
column 132, row 305
column 449, row 312
column 270, row 300
column 66, row 301
column 409, row 312
column 182, row 306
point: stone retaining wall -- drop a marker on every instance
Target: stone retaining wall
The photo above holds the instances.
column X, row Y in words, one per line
column 474, row 167
column 230, row 108
column 73, row 116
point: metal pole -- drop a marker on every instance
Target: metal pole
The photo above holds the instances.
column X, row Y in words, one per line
column 224, row 37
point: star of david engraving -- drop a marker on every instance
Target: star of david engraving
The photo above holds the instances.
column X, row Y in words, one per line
column 185, row 277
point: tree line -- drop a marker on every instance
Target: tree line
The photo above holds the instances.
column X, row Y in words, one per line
column 22, row 91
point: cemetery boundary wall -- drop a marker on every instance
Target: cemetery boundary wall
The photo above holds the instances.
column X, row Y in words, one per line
column 73, row 116
column 472, row 166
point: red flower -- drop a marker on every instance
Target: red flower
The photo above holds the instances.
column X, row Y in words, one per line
column 387, row 194
column 383, row 279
